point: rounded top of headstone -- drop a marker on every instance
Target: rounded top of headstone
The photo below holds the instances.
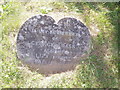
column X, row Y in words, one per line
column 41, row 42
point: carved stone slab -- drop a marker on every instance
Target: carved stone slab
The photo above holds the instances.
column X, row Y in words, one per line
column 51, row 47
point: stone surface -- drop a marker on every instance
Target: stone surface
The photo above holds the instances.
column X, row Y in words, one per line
column 51, row 48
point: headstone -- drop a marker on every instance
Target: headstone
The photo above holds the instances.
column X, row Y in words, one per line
column 50, row 48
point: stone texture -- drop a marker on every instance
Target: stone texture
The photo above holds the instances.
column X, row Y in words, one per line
column 51, row 48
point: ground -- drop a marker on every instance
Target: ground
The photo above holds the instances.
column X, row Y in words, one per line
column 99, row 70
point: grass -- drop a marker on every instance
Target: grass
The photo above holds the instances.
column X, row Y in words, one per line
column 99, row 70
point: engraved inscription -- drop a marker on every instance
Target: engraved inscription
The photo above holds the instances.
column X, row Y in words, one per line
column 42, row 42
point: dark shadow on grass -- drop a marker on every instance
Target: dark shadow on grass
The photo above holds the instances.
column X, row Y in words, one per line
column 97, row 62
column 114, row 18
column 96, row 69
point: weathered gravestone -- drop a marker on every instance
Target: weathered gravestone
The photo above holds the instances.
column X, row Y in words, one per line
column 51, row 48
